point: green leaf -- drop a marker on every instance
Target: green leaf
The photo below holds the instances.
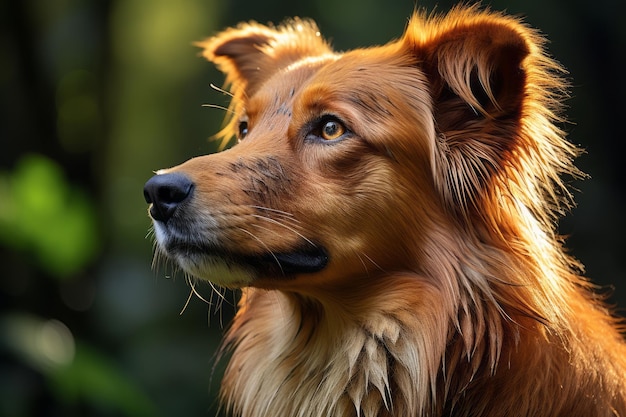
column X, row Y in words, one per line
column 42, row 213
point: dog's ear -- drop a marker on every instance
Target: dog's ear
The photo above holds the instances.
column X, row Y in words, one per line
column 477, row 68
column 249, row 53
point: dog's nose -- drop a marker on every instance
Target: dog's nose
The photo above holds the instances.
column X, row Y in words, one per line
column 166, row 192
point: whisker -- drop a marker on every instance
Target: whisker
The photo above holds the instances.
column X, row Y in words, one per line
column 367, row 272
column 217, row 106
column 285, row 213
column 221, row 296
column 161, row 259
column 157, row 258
column 221, row 90
column 372, row 261
column 150, row 233
column 195, row 291
column 266, row 229
column 282, row 215
column 219, row 306
column 291, row 229
column 258, row 226
column 186, row 303
column 265, row 246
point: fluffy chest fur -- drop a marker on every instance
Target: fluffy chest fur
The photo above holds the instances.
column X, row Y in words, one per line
column 320, row 363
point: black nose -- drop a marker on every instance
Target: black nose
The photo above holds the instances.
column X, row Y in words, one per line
column 165, row 192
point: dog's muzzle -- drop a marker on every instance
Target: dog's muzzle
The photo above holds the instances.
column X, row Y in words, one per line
column 170, row 196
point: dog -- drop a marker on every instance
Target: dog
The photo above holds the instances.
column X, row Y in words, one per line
column 388, row 214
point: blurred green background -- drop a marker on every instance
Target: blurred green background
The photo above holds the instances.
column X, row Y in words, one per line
column 95, row 95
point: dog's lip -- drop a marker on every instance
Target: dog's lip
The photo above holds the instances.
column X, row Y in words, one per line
column 302, row 259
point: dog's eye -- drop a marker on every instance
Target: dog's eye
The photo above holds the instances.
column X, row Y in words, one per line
column 331, row 129
column 327, row 128
column 242, row 129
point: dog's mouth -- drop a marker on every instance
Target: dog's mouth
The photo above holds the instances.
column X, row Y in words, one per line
column 232, row 268
column 301, row 261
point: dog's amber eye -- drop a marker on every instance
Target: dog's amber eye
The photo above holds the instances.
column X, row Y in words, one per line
column 327, row 128
column 332, row 129
column 242, row 130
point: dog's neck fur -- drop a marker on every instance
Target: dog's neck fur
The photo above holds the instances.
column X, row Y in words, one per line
column 319, row 357
column 320, row 360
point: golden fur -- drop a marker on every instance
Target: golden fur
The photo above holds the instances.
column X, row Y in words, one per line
column 389, row 215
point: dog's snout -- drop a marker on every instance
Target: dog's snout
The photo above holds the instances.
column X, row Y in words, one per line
column 166, row 192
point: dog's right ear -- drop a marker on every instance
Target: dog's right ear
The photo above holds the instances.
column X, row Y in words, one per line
column 250, row 53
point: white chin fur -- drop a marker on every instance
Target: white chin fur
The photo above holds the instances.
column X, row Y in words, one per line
column 217, row 271
column 159, row 234
column 207, row 267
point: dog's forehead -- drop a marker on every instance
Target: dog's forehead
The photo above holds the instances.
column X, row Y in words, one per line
column 283, row 86
column 312, row 62
column 335, row 69
column 297, row 75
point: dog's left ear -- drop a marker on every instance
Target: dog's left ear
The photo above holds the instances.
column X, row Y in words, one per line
column 476, row 69
column 249, row 53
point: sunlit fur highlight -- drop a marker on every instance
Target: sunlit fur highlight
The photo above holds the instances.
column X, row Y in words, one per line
column 448, row 291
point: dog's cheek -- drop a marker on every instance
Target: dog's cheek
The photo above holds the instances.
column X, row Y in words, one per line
column 349, row 213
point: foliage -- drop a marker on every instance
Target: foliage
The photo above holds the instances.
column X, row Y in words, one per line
column 40, row 213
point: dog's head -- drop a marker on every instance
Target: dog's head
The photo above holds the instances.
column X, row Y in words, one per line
column 347, row 164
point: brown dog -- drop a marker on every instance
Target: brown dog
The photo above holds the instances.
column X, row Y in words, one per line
column 389, row 215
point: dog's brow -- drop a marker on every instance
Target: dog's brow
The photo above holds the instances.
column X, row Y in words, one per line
column 312, row 61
